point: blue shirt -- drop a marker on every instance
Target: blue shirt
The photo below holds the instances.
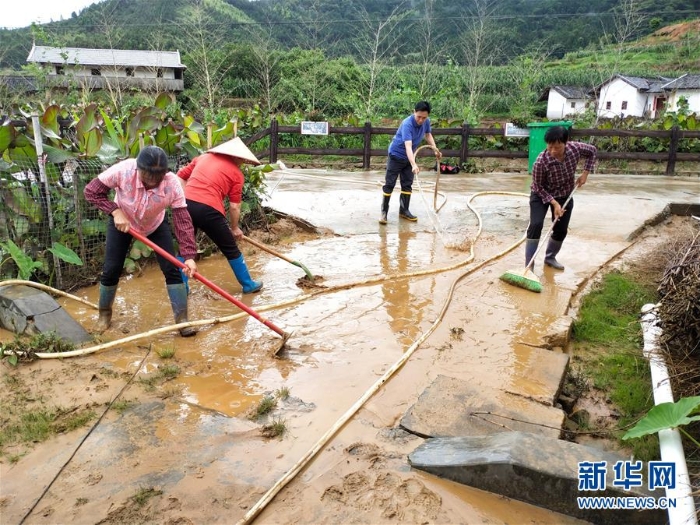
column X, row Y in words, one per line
column 408, row 130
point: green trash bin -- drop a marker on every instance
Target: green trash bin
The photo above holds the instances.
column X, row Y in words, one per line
column 536, row 143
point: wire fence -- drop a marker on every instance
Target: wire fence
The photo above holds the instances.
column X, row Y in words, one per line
column 41, row 213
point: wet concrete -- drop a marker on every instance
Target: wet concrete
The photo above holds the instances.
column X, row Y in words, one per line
column 212, row 460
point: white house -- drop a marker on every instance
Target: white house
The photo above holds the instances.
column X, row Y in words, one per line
column 632, row 96
column 686, row 86
column 104, row 68
column 563, row 101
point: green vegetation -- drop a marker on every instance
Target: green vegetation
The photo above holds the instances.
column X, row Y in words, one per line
column 144, row 494
column 164, row 373
column 24, row 349
column 608, row 341
column 121, row 405
column 276, row 428
column 166, row 353
column 267, row 404
column 282, row 393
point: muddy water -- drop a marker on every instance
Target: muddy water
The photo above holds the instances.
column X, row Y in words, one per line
column 211, row 462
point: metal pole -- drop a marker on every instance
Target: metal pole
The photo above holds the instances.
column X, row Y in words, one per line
column 44, row 184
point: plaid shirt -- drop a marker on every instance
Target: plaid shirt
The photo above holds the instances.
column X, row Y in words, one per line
column 552, row 178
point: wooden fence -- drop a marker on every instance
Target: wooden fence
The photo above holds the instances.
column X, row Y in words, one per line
column 673, row 135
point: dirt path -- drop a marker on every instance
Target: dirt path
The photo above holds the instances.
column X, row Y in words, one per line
column 183, row 451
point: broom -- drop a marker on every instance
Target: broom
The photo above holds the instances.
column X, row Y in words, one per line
column 526, row 278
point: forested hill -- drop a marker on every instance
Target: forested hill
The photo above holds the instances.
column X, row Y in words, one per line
column 336, row 26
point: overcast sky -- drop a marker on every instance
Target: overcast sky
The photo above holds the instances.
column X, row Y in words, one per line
column 24, row 12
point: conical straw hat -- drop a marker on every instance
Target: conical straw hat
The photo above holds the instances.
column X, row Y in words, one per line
column 236, row 148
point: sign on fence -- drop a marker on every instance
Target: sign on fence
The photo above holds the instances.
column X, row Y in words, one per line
column 314, row 128
column 514, row 131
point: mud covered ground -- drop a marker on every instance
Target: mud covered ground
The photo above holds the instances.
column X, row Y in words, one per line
column 170, row 440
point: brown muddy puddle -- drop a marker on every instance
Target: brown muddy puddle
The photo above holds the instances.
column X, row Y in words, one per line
column 342, row 342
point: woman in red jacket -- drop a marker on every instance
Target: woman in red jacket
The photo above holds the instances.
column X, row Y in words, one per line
column 209, row 178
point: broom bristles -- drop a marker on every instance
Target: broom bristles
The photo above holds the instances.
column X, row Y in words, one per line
column 523, row 279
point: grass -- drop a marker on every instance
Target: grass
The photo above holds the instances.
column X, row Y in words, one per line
column 165, row 373
column 282, row 393
column 166, row 353
column 276, row 428
column 144, row 494
column 121, row 405
column 607, row 343
column 267, row 404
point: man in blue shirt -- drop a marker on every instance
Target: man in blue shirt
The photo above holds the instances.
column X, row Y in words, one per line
column 402, row 162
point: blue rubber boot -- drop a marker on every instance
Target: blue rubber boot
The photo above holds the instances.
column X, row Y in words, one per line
column 240, row 270
column 550, row 258
column 107, row 294
column 185, row 279
column 178, row 300
column 530, row 249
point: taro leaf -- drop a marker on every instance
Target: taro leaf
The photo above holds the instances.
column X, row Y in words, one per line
column 139, row 250
column 221, row 134
column 666, row 416
column 129, row 265
column 94, row 227
column 57, row 155
column 691, row 123
column 109, row 152
column 65, row 254
column 163, row 100
column 7, row 136
column 49, row 121
column 19, row 201
column 91, row 142
column 25, row 264
column 167, row 138
column 21, row 225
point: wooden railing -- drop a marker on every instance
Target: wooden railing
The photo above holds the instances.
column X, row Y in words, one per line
column 674, row 135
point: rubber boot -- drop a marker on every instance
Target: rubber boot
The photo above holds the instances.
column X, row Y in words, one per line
column 385, row 208
column 240, row 270
column 550, row 258
column 530, row 249
column 107, row 294
column 403, row 209
column 185, row 279
column 178, row 301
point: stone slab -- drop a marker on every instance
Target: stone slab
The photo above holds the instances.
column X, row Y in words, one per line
column 451, row 407
column 27, row 310
column 538, row 470
column 538, row 373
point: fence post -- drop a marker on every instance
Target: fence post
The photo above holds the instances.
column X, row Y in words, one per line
column 274, row 140
column 464, row 150
column 46, row 191
column 672, row 150
column 367, row 147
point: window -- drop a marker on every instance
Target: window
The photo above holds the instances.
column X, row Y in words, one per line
column 60, row 70
column 573, row 105
column 95, row 72
column 624, row 104
column 159, row 73
column 129, row 71
column 608, row 105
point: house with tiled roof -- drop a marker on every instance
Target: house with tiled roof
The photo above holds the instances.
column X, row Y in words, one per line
column 686, row 86
column 565, row 101
column 106, row 68
column 623, row 96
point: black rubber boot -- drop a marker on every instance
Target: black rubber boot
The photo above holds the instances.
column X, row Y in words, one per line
column 403, row 209
column 530, row 249
column 385, row 208
column 550, row 258
column 178, row 300
column 107, row 294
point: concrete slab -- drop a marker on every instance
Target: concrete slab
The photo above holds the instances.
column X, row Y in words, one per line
column 27, row 310
column 450, row 407
column 532, row 468
column 538, row 374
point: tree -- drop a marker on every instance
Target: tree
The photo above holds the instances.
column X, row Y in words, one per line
column 478, row 50
column 206, row 53
column 377, row 41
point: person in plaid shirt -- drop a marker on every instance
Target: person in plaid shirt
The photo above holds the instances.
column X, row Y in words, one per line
column 553, row 180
